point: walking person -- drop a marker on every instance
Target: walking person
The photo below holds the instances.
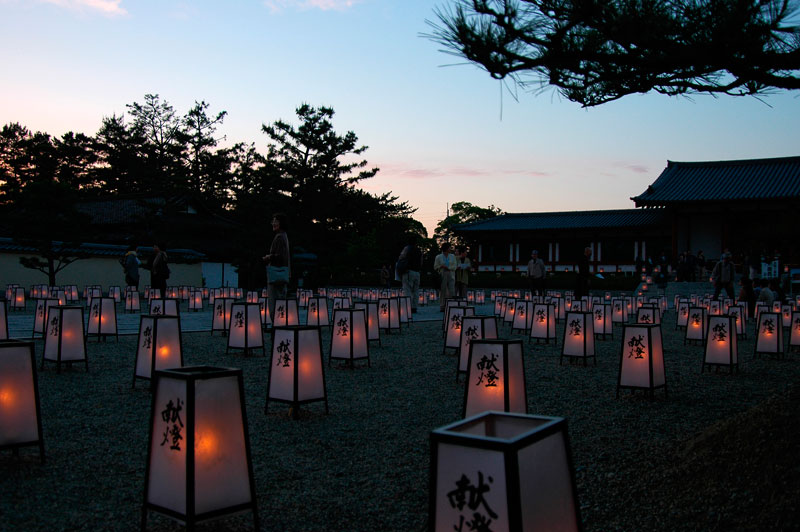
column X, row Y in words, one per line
column 130, row 263
column 409, row 264
column 159, row 269
column 445, row 265
column 722, row 276
column 463, row 266
column 582, row 280
column 536, row 274
column 278, row 266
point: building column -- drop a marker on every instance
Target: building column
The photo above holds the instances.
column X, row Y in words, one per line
column 480, row 252
column 550, row 252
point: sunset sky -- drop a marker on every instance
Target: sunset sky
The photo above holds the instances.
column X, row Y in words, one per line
column 439, row 133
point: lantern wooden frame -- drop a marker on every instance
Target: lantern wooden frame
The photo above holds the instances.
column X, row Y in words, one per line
column 696, row 330
column 648, row 314
column 74, row 351
column 370, row 309
column 132, row 302
column 196, row 300
column 317, row 312
column 455, row 317
column 192, row 382
column 602, row 320
column 523, row 316
column 221, row 315
column 619, row 311
column 529, row 459
column 506, row 367
column 474, row 328
column 102, row 321
column 20, row 408
column 769, row 342
column 40, row 315
column 18, row 301
column 721, row 330
column 587, row 351
column 548, row 329
column 648, row 344
column 299, row 393
column 169, row 306
column 286, row 313
column 165, row 333
column 389, row 314
column 246, row 334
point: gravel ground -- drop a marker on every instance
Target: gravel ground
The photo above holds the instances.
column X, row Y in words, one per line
column 641, row 464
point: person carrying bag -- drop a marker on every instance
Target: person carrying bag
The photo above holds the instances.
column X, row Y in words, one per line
column 278, row 266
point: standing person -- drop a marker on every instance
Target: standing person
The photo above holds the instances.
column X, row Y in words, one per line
column 159, row 270
column 277, row 262
column 462, row 272
column 536, row 273
column 131, row 265
column 582, row 284
column 409, row 264
column 748, row 295
column 445, row 265
column 722, row 276
column 701, row 266
column 385, row 281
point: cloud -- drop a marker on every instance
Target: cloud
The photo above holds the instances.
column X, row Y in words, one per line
column 111, row 8
column 413, row 172
column 324, row 5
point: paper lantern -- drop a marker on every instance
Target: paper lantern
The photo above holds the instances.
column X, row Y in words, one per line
column 199, row 465
column 794, row 332
column 578, row 337
column 388, row 314
column 455, row 317
column 286, row 314
column 64, row 341
column 499, row 306
column 682, row 318
column 509, row 309
column 159, row 346
column 503, row 471
column 474, row 328
column 404, row 304
column 20, row 414
column 340, row 302
column 220, row 320
column 296, row 375
column 263, row 309
column 786, row 315
column 71, row 292
column 761, row 307
column 769, row 335
column 102, row 318
column 92, row 292
column 18, row 299
column 722, row 348
column 560, row 305
column 244, row 329
column 619, row 311
column 317, row 311
column 495, row 377
column 196, row 300
column 523, row 316
column 132, row 302
column 714, row 308
column 40, row 315
column 370, row 309
column 776, row 307
column 302, row 297
column 641, row 365
column 252, row 296
column 114, row 292
column 168, row 307
column 602, row 320
column 543, row 323
column 349, row 336
column 648, row 315
column 696, row 325
column 738, row 313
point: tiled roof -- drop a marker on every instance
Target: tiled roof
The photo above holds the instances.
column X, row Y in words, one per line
column 120, row 210
column 567, row 220
column 95, row 250
column 753, row 179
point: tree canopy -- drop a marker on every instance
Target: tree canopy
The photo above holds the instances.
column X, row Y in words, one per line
column 597, row 51
column 462, row 212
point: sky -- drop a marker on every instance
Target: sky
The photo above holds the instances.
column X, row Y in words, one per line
column 439, row 129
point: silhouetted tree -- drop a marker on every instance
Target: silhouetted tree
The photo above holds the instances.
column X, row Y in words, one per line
column 462, row 212
column 596, row 51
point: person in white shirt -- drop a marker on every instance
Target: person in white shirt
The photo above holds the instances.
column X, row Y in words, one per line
column 445, row 265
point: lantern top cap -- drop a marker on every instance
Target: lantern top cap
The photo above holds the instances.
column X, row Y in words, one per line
column 504, row 428
column 15, row 343
column 197, row 372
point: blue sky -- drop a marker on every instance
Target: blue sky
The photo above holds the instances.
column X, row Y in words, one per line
column 435, row 131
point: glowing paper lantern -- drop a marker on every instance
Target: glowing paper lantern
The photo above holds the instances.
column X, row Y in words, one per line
column 619, row 311
column 341, row 302
column 499, row 306
column 102, row 318
column 641, row 364
column 132, row 301
column 317, row 311
column 40, row 315
column 523, row 316
column 509, row 309
column 786, row 315
column 721, row 343
column 302, row 297
column 404, row 303
column 794, row 332
column 349, row 336
column 196, row 300
column 682, row 318
column 714, row 308
column 474, row 328
column 455, row 316
column 510, row 472
column 578, row 337
column 115, row 293
column 737, row 313
column 199, row 465
column 20, row 416
column 286, row 313
column 296, row 375
column 370, row 309
column 220, row 319
column 159, row 346
column 495, row 377
column 543, row 322
column 64, row 341
column 769, row 334
column 602, row 320
column 388, row 314
column 244, row 330
column 168, row 307
column 71, row 293
column 18, row 299
column 648, row 315
column 696, row 326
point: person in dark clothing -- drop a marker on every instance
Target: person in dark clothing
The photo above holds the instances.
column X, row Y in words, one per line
column 748, row 295
column 159, row 270
column 409, row 264
column 582, row 284
column 130, row 263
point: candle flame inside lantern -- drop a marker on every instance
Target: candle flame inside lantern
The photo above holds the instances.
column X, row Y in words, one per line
column 163, row 352
column 7, row 397
column 206, row 445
